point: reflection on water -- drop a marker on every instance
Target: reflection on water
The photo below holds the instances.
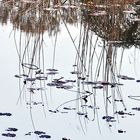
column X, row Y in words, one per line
column 37, row 16
column 105, row 30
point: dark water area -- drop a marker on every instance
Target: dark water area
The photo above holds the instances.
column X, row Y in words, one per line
column 69, row 69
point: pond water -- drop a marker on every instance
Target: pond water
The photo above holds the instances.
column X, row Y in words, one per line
column 66, row 82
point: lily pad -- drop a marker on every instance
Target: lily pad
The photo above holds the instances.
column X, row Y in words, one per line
column 121, row 131
column 5, row 114
column 18, row 76
column 45, row 136
column 51, row 69
column 39, row 132
column 12, row 129
column 136, row 108
column 9, row 134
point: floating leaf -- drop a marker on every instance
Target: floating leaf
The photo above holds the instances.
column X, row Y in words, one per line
column 41, row 78
column 52, row 73
column 81, row 78
column 121, row 131
column 30, row 79
column 98, row 87
column 123, row 113
column 75, row 72
column 71, row 81
column 53, row 111
column 81, row 113
column 8, row 134
column 138, row 81
column 88, row 83
column 12, row 129
column 136, row 108
column 5, row 114
column 69, row 108
column 45, row 136
column 65, row 87
column 116, row 100
column 65, row 139
column 52, row 84
column 104, row 83
column 60, row 82
column 93, row 107
column 39, row 132
column 107, row 117
column 51, row 69
column 18, row 76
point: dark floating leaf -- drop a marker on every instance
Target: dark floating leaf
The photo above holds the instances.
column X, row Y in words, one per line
column 137, row 81
column 70, row 81
column 8, row 134
column 88, row 83
column 124, row 77
column 45, row 136
column 124, row 113
column 53, row 111
column 82, row 78
column 52, row 73
column 65, row 139
column 18, row 76
column 60, row 82
column 65, row 87
column 121, row 131
column 98, row 87
column 30, row 79
column 81, row 113
column 39, row 132
column 75, row 72
column 116, row 100
column 69, row 108
column 121, row 112
column 12, row 129
column 41, row 78
column 136, row 108
column 109, row 118
column 104, row 83
column 51, row 69
column 5, row 114
column 74, row 65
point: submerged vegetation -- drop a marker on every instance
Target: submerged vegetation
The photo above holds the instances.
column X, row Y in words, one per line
column 105, row 28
